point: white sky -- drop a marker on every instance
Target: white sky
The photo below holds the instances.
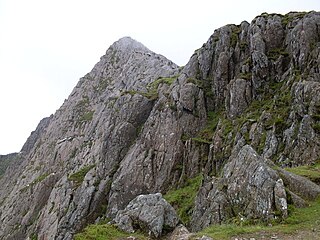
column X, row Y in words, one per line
column 46, row 46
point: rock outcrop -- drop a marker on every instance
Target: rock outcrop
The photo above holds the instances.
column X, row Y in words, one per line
column 149, row 213
column 245, row 105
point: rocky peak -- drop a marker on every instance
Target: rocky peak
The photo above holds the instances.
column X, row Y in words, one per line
column 127, row 44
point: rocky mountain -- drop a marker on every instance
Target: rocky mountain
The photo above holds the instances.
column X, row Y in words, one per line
column 246, row 105
column 7, row 160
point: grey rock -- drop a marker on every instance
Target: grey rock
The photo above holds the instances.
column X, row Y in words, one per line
column 239, row 97
column 125, row 132
column 150, row 212
column 93, row 129
column 297, row 201
column 300, row 185
column 180, row 233
column 249, row 188
column 35, row 135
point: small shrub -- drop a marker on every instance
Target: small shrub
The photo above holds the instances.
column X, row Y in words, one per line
column 275, row 53
column 78, row 177
column 87, row 116
column 182, row 199
column 245, row 76
column 316, row 127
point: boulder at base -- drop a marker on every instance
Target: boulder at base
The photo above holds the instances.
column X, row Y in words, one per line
column 150, row 213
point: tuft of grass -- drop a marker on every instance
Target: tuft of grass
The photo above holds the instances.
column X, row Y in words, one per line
column 151, row 95
column 201, row 140
column 300, row 219
column 87, row 116
column 245, row 76
column 275, row 53
column 311, row 172
column 316, row 127
column 78, row 177
column 182, row 199
column 105, row 231
column 152, row 88
column 162, row 80
column 207, row 132
column 34, row 182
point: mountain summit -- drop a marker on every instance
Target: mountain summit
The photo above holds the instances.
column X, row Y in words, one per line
column 137, row 126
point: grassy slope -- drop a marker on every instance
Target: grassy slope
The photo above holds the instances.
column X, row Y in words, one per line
column 300, row 219
column 105, row 231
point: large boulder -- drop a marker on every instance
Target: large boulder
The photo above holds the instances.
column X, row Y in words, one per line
column 150, row 213
column 248, row 188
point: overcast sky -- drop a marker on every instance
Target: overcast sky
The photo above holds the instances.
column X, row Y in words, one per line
column 46, row 46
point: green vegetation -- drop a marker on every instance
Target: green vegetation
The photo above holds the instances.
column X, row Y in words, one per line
column 84, row 102
column 34, row 182
column 155, row 84
column 316, row 127
column 152, row 88
column 243, row 46
column 299, row 219
column 274, row 54
column 289, row 17
column 40, row 178
column 105, row 231
column 34, row 236
column 245, row 76
column 206, row 134
column 82, row 110
column 103, row 83
column 234, row 35
column 309, row 171
column 87, row 116
column 182, row 199
column 78, row 177
column 201, row 140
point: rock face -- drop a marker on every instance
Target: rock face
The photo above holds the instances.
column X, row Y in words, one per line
column 246, row 104
column 150, row 213
column 7, row 161
column 249, row 188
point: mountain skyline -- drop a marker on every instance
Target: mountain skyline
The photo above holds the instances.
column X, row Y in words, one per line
column 45, row 48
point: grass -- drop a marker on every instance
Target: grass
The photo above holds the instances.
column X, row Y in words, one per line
column 182, row 199
column 34, row 182
column 311, row 172
column 316, row 127
column 152, row 88
column 206, row 134
column 245, row 76
column 78, row 177
column 105, row 231
column 300, row 219
column 151, row 95
column 87, row 116
column 275, row 53
column 155, row 84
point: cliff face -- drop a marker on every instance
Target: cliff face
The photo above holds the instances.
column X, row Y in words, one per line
column 137, row 124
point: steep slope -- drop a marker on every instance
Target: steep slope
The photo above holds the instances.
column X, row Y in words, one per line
column 246, row 104
column 8, row 160
column 72, row 156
